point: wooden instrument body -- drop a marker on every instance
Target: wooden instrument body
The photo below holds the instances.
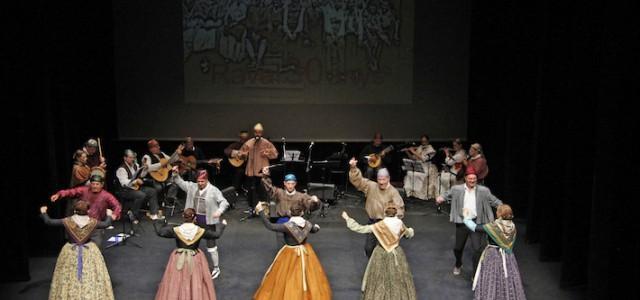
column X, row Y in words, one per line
column 162, row 174
column 237, row 161
column 375, row 159
column 135, row 186
column 188, row 163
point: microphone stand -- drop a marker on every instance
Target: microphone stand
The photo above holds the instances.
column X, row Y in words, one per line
column 308, row 169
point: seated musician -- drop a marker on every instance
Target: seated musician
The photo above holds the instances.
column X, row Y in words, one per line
column 93, row 156
column 156, row 160
column 233, row 151
column 132, row 189
column 81, row 171
column 190, row 149
column 455, row 157
column 376, row 146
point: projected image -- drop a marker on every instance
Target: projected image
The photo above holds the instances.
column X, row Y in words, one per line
column 298, row 51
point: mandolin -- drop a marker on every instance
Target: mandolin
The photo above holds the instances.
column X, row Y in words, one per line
column 375, row 159
column 237, row 161
column 188, row 163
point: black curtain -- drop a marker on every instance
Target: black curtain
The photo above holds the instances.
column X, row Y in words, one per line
column 60, row 81
column 548, row 83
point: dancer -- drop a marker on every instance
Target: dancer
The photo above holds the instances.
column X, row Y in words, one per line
column 497, row 276
column 97, row 197
column 388, row 276
column 296, row 272
column 478, row 199
column 377, row 193
column 80, row 271
column 209, row 204
column 287, row 197
column 186, row 276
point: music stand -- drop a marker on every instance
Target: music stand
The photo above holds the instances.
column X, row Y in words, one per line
column 414, row 166
column 122, row 237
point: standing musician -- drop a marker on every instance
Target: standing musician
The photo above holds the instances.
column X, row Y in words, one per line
column 258, row 151
column 94, row 158
column 132, row 188
column 366, row 156
column 233, row 152
column 156, row 160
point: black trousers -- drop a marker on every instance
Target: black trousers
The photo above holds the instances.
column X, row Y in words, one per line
column 171, row 190
column 371, row 241
column 256, row 191
column 238, row 179
column 478, row 242
column 140, row 197
column 371, row 173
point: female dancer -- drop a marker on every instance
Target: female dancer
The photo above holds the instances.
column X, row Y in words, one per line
column 388, row 276
column 80, row 271
column 497, row 276
column 296, row 272
column 187, row 273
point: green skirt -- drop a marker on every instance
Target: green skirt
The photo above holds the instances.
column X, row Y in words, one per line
column 388, row 276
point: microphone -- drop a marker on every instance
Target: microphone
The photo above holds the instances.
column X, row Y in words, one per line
column 311, row 145
column 283, row 139
column 343, row 143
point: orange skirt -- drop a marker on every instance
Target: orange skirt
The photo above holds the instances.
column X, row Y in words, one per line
column 296, row 273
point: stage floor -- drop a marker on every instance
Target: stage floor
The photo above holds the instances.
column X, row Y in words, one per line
column 247, row 249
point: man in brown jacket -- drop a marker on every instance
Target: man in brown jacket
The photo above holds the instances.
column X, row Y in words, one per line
column 287, row 197
column 377, row 193
column 258, row 151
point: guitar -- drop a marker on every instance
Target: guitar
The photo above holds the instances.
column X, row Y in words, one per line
column 375, row 159
column 188, row 163
column 162, row 174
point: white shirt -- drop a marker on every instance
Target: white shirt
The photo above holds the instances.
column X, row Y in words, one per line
column 122, row 175
column 470, row 200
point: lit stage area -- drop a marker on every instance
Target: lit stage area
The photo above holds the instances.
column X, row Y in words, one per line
column 247, row 249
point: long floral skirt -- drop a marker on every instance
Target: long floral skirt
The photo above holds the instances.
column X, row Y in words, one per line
column 94, row 284
column 186, row 277
column 388, row 276
column 492, row 282
column 295, row 274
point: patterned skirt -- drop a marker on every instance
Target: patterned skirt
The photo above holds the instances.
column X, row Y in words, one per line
column 186, row 277
column 94, row 284
column 388, row 276
column 491, row 282
column 295, row 274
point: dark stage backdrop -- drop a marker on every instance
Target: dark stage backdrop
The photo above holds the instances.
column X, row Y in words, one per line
column 308, row 70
